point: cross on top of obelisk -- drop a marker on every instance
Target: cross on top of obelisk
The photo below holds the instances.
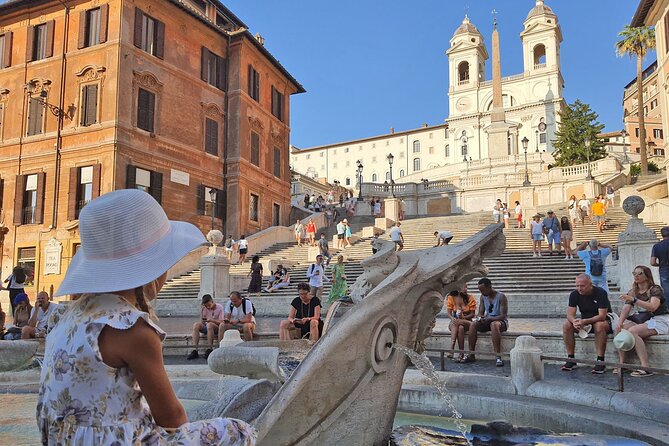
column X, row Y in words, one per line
column 494, row 18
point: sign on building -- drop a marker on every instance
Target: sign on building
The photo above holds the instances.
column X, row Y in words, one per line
column 52, row 256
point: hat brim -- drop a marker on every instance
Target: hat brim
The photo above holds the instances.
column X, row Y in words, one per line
column 85, row 275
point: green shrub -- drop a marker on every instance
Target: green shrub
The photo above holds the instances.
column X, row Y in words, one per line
column 635, row 169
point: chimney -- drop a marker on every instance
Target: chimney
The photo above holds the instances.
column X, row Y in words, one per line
column 392, row 130
column 424, row 125
column 260, row 39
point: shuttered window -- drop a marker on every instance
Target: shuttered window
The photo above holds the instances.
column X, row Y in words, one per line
column 89, row 105
column 93, row 26
column 211, row 136
column 277, row 104
column 276, row 215
column 146, row 103
column 29, row 199
column 149, row 34
column 5, row 50
column 146, row 180
column 40, row 41
column 84, row 187
column 277, row 163
column 255, row 149
column 254, row 204
column 254, row 83
column 2, row 118
column 666, row 33
column 212, row 69
column 35, row 117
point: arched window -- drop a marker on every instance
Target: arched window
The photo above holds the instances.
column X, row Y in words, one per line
column 401, row 173
column 542, row 131
column 539, row 53
column 463, row 143
column 447, row 151
column 463, row 73
column 416, row 164
column 374, row 178
column 387, row 176
column 416, row 146
column 348, row 181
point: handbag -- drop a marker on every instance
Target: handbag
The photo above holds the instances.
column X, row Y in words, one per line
column 641, row 317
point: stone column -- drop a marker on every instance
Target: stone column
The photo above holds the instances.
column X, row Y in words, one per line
column 591, row 188
column 215, row 269
column 634, row 243
column 392, row 207
column 526, row 365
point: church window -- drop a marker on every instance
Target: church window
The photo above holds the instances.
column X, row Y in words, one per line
column 463, row 143
column 447, row 151
column 542, row 131
column 374, row 178
column 416, row 164
column 401, row 173
column 539, row 52
column 416, row 146
column 387, row 176
column 348, row 181
column 463, row 73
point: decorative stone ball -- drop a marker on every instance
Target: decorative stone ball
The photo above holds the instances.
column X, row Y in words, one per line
column 634, row 205
column 215, row 237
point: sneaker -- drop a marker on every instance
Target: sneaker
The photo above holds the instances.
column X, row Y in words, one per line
column 598, row 369
column 469, row 358
column 499, row 362
column 568, row 366
column 207, row 353
column 193, row 355
column 534, row 255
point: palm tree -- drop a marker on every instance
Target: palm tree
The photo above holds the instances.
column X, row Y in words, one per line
column 636, row 42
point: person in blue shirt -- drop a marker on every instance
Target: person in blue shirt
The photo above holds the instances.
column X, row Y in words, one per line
column 595, row 262
column 659, row 257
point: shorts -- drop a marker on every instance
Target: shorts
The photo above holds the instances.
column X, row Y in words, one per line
column 553, row 238
column 659, row 323
column 485, row 327
column 519, row 217
column 400, row 244
column 600, row 218
column 316, row 291
column 228, row 249
column 243, row 250
column 204, row 330
column 537, row 237
column 566, row 234
column 305, row 329
column 609, row 196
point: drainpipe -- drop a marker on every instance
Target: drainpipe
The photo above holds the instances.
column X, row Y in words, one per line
column 226, row 120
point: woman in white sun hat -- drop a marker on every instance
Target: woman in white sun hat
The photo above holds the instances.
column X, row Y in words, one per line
column 103, row 380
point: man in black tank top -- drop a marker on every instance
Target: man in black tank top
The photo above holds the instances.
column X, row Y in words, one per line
column 492, row 317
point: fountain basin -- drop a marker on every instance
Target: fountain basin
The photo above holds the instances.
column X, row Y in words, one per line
column 16, row 354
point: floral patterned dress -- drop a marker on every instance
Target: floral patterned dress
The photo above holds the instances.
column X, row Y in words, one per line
column 83, row 401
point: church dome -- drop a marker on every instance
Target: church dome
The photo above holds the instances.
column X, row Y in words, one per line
column 540, row 9
column 466, row 27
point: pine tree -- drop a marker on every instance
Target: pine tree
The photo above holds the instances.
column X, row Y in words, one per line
column 578, row 123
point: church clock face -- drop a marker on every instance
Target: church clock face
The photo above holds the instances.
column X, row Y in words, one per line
column 463, row 104
column 542, row 126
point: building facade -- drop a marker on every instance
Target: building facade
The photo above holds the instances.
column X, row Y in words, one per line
column 174, row 97
column 652, row 110
column 531, row 101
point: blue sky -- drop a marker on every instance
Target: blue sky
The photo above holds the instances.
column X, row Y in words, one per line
column 369, row 65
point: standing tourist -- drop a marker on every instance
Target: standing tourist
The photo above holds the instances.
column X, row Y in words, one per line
column 256, row 275
column 243, row 246
column 316, row 276
column 304, row 317
column 492, row 317
column 211, row 317
column 311, row 232
column 397, row 237
column 610, row 194
column 116, row 271
column 22, row 312
column 659, row 256
column 324, row 249
column 536, row 234
column 16, row 285
column 584, row 209
column 371, row 206
column 566, row 234
column 593, row 304
column 347, row 234
column 306, row 201
column 229, row 247
column 496, row 209
column 461, row 309
column 299, row 232
column 39, row 318
column 341, row 232
column 505, row 215
column 599, row 211
column 573, row 209
column 339, row 287
column 519, row 215
column 595, row 262
column 328, row 216
column 653, row 316
column 377, row 208
column 552, row 231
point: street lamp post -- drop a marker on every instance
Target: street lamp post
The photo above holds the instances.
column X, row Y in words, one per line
column 525, row 142
column 587, row 153
column 359, row 170
column 624, row 135
column 390, row 159
column 212, row 196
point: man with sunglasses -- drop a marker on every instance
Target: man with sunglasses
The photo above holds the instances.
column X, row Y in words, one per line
column 492, row 317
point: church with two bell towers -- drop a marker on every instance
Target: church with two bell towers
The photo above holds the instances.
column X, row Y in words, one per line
column 491, row 118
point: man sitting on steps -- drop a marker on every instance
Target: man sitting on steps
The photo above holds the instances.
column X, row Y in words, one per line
column 492, row 317
column 211, row 316
column 239, row 315
column 593, row 304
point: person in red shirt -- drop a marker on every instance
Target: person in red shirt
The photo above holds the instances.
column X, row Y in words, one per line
column 311, row 232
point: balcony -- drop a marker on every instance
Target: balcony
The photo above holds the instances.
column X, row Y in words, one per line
column 539, row 66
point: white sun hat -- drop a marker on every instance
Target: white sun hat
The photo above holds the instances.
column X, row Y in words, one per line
column 126, row 241
column 624, row 341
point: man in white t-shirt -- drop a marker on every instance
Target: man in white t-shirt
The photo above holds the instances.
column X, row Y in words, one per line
column 238, row 316
column 39, row 318
column 443, row 237
column 397, row 237
column 584, row 209
column 316, row 276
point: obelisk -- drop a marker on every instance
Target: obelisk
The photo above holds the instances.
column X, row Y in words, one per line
column 498, row 132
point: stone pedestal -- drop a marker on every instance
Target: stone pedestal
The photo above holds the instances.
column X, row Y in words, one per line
column 591, row 188
column 384, row 222
column 526, row 365
column 634, row 243
column 392, row 208
column 215, row 270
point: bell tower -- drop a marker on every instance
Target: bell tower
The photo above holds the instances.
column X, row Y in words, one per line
column 541, row 37
column 466, row 57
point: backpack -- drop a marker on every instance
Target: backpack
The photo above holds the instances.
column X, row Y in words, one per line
column 244, row 306
column 596, row 264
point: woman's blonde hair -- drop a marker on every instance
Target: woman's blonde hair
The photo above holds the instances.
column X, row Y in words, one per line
column 340, row 258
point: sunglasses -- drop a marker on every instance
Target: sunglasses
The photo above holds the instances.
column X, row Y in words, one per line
column 638, row 273
column 490, row 308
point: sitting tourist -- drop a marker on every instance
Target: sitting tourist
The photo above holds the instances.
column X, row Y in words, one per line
column 492, row 317
column 211, row 317
column 443, row 237
column 593, row 305
column 304, row 317
column 650, row 319
column 461, row 310
column 22, row 310
column 39, row 319
column 280, row 279
column 239, row 315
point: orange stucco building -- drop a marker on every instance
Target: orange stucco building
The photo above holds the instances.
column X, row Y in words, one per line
column 174, row 97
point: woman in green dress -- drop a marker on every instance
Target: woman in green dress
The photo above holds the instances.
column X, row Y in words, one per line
column 339, row 287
